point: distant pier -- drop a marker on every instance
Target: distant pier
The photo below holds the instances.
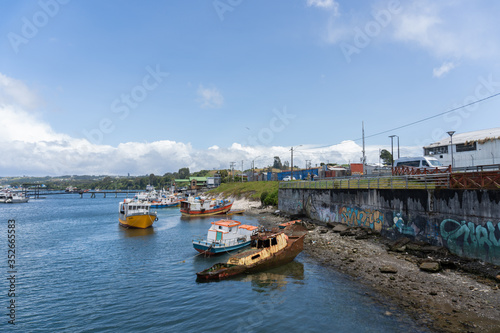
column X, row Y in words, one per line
column 36, row 191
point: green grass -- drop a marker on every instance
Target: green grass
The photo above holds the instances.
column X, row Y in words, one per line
column 249, row 190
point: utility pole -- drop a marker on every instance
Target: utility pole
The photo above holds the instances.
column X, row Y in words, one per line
column 363, row 136
column 398, row 145
column 232, row 169
column 291, row 149
column 392, row 151
column 242, row 171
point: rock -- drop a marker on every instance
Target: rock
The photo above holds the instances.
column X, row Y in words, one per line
column 388, row 269
column 399, row 243
column 433, row 293
column 400, row 249
column 310, row 226
column 323, row 231
column 330, row 225
column 340, row 228
column 497, row 277
column 430, row 266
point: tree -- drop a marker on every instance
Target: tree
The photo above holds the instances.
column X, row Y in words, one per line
column 277, row 163
column 183, row 173
column 386, row 157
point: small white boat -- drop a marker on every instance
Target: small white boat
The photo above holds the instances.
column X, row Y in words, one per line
column 224, row 236
column 13, row 197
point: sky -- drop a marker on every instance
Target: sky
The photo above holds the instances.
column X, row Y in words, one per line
column 140, row 87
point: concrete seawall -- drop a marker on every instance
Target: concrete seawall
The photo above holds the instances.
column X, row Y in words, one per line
column 464, row 221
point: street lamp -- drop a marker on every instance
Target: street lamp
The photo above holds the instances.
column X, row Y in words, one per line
column 450, row 133
column 291, row 149
column 392, row 150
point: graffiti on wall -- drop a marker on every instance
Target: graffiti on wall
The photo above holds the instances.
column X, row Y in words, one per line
column 326, row 214
column 355, row 217
column 404, row 228
column 472, row 240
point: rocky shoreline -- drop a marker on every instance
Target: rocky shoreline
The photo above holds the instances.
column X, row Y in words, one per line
column 442, row 292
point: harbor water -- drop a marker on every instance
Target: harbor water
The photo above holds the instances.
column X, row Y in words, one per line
column 77, row 270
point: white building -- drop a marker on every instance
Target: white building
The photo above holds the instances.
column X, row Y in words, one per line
column 469, row 149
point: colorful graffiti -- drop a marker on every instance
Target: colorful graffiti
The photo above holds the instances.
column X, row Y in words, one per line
column 401, row 226
column 369, row 218
column 326, row 214
column 472, row 240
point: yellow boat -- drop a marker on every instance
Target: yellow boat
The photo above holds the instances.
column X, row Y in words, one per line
column 136, row 214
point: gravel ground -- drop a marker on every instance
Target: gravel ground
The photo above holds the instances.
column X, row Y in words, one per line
column 462, row 296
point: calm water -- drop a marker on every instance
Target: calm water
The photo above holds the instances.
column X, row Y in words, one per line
column 78, row 270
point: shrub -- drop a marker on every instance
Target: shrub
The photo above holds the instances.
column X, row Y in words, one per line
column 263, row 196
column 271, row 199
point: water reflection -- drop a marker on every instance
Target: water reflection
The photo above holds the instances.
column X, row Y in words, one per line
column 276, row 278
column 133, row 232
column 271, row 279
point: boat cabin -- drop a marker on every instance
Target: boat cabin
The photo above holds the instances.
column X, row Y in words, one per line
column 134, row 207
column 225, row 229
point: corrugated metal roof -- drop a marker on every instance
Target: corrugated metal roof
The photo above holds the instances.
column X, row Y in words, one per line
column 198, row 179
column 467, row 137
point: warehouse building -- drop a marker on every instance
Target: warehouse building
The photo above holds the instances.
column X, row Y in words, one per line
column 469, row 149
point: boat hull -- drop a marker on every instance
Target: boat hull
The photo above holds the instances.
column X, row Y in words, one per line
column 216, row 211
column 175, row 204
column 138, row 221
column 211, row 251
column 223, row 271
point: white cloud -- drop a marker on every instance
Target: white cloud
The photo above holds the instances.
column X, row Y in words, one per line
column 445, row 29
column 450, row 29
column 15, row 92
column 445, row 68
column 325, row 4
column 210, row 97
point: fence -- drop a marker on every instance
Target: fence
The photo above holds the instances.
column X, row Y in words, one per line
column 475, row 180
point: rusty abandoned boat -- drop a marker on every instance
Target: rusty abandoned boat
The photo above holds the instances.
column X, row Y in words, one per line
column 269, row 249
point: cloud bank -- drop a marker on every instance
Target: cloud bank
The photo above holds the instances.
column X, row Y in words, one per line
column 29, row 146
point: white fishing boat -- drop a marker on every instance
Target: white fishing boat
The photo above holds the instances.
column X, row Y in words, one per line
column 224, row 236
column 15, row 197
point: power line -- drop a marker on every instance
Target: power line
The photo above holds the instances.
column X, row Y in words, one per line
column 418, row 121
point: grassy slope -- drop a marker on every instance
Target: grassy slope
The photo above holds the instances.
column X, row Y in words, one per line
column 250, row 190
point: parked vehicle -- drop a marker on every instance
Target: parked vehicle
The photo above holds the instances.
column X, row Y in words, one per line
column 288, row 178
column 424, row 162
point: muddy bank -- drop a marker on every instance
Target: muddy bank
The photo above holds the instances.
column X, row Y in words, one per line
column 440, row 291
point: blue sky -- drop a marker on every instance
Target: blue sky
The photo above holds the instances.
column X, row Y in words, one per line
column 127, row 86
